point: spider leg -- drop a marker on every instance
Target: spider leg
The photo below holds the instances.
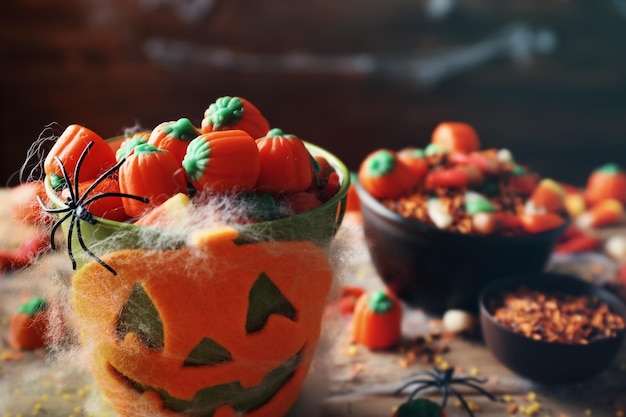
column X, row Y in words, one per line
column 66, row 178
column 470, row 379
column 89, row 252
column 479, row 389
column 113, row 194
column 462, row 400
column 53, row 231
column 98, row 180
column 415, row 391
column 413, row 382
column 79, row 165
column 70, row 254
column 445, row 391
column 51, row 210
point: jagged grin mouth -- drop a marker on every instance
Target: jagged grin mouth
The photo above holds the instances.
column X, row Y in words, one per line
column 233, row 394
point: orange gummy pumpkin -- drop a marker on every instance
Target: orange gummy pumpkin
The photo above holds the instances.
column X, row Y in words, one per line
column 414, row 159
column 174, row 137
column 377, row 320
column 384, row 175
column 125, row 147
column 286, row 164
column 606, row 182
column 456, row 137
column 223, row 161
column 228, row 113
column 29, row 325
column 150, row 173
column 68, row 149
column 217, row 329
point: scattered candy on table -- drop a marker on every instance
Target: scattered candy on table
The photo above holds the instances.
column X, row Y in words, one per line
column 29, row 325
column 377, row 320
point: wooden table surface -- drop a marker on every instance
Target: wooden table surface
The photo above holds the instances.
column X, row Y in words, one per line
column 345, row 380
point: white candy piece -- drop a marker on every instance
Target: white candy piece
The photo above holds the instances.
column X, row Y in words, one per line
column 458, row 321
column 615, row 247
column 438, row 214
column 504, row 155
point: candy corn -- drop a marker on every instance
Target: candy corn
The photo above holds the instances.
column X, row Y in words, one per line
column 604, row 213
column 548, row 195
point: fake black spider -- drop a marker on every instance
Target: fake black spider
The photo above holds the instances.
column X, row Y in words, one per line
column 76, row 207
column 443, row 380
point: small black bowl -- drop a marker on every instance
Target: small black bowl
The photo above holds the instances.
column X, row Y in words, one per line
column 437, row 270
column 540, row 361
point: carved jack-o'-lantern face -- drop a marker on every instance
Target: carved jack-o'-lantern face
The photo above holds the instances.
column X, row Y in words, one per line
column 215, row 329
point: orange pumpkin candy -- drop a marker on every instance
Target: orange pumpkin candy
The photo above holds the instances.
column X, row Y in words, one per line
column 606, row 182
column 223, row 161
column 150, row 173
column 196, row 330
column 68, row 149
column 228, row 113
column 456, row 137
column 384, row 175
column 30, row 325
column 174, row 136
column 377, row 321
column 286, row 164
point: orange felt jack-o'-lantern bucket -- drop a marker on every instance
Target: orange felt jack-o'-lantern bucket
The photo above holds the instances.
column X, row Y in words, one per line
column 216, row 328
column 214, row 322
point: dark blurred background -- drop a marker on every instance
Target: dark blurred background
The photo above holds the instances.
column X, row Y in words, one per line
column 543, row 78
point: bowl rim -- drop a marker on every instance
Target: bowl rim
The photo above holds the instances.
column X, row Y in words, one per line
column 315, row 150
column 416, row 225
column 534, row 281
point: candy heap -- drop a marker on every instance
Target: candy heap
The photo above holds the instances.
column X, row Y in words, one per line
column 234, row 152
column 455, row 186
column 599, row 204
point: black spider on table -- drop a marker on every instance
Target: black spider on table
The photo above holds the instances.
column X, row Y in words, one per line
column 444, row 381
column 76, row 206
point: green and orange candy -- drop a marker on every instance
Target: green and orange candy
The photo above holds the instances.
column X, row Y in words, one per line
column 607, row 181
column 384, row 175
column 228, row 113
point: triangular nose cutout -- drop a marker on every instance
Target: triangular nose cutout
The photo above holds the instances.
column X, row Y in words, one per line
column 206, row 353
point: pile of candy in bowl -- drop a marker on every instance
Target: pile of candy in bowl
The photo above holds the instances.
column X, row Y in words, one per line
column 234, row 153
column 455, row 186
column 443, row 221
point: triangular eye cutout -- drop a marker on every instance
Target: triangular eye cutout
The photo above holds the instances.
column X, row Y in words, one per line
column 265, row 299
column 139, row 315
column 207, row 352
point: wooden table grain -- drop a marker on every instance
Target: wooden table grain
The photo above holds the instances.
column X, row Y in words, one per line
column 345, row 380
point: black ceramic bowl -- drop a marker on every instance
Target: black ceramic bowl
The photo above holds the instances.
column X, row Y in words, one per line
column 438, row 270
column 549, row 363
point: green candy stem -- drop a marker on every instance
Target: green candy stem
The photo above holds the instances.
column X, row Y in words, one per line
column 382, row 163
column 609, row 169
column 276, row 133
column 379, row 302
column 196, row 159
column 146, row 149
column 182, row 129
column 33, row 306
column 226, row 111
column 57, row 181
column 128, row 145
